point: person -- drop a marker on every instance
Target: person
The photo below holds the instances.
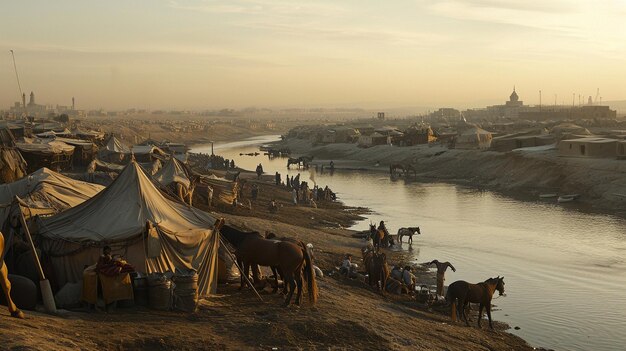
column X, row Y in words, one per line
column 294, row 196
column 332, row 166
column 273, row 206
column 254, row 191
column 232, row 163
column 209, row 196
column 277, row 178
column 408, row 279
column 110, row 266
column 259, row 171
column 381, row 226
column 396, row 273
column 441, row 273
column 346, row 266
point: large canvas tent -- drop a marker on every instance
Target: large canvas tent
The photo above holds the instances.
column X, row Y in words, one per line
column 174, row 171
column 118, row 217
column 40, row 153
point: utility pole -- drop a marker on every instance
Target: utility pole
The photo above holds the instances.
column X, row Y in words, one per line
column 539, row 100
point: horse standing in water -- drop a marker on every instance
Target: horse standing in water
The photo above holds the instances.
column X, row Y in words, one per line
column 461, row 293
column 410, row 231
column 6, row 284
column 288, row 257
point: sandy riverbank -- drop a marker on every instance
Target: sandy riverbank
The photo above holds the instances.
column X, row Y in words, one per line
column 525, row 174
column 348, row 315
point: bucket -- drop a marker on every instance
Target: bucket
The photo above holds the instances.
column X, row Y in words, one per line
column 140, row 290
column 160, row 293
column 186, row 292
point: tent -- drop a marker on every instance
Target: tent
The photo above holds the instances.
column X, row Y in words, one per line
column 12, row 164
column 49, row 187
column 173, row 171
column 473, row 137
column 119, row 216
column 40, row 153
column 114, row 151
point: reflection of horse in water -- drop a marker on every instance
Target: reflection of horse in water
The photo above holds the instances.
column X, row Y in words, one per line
column 6, row 284
column 302, row 161
column 403, row 169
column 410, row 231
column 461, row 293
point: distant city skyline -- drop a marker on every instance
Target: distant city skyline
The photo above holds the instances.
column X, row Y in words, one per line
column 203, row 54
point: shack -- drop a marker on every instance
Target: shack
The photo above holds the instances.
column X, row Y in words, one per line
column 589, row 147
column 40, row 153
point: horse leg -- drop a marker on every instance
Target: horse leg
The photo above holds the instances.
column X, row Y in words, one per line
column 241, row 277
column 488, row 308
column 275, row 290
column 462, row 305
column 299, row 283
column 453, row 309
column 480, row 313
column 292, row 287
column 6, row 287
column 411, row 239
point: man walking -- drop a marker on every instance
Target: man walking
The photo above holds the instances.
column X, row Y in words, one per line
column 441, row 272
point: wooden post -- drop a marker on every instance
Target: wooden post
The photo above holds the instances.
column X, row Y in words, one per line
column 44, row 284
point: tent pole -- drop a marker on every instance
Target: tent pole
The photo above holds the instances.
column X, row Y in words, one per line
column 240, row 270
column 44, row 284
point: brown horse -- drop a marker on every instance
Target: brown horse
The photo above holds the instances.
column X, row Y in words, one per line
column 461, row 293
column 6, row 284
column 376, row 267
column 291, row 258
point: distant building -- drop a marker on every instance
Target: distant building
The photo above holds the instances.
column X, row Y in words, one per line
column 381, row 115
column 589, row 147
column 575, row 113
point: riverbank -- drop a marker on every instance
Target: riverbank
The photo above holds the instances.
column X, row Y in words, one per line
column 349, row 315
column 523, row 173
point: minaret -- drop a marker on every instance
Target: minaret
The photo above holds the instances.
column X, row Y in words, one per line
column 32, row 98
column 73, row 104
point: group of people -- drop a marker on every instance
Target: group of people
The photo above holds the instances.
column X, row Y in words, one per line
column 209, row 162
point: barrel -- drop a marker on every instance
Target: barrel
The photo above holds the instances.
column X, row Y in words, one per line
column 140, row 290
column 160, row 293
column 186, row 292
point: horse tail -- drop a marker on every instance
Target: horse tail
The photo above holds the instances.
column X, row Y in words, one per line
column 309, row 274
column 452, row 301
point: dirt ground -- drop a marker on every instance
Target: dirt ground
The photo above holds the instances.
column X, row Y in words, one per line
column 348, row 316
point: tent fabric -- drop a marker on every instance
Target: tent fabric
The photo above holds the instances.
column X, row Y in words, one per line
column 114, row 145
column 118, row 216
column 46, row 147
column 173, row 172
column 60, row 192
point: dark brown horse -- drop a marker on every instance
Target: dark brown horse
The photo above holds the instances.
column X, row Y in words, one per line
column 291, row 258
column 6, row 284
column 376, row 266
column 461, row 293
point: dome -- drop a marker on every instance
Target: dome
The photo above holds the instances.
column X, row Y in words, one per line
column 514, row 96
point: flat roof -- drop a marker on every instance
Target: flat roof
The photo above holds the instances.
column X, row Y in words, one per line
column 593, row 140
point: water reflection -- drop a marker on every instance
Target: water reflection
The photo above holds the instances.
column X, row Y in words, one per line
column 564, row 270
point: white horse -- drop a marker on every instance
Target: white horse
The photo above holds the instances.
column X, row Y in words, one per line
column 410, row 231
column 6, row 285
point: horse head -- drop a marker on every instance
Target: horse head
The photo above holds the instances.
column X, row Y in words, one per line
column 500, row 285
column 416, row 230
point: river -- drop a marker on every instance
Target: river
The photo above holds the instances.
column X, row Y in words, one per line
column 564, row 270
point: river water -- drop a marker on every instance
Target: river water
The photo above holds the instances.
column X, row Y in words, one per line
column 564, row 270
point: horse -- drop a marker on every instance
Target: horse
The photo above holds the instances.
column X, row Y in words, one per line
column 375, row 264
column 378, row 236
column 394, row 168
column 461, row 293
column 6, row 284
column 291, row 258
column 405, row 169
column 410, row 231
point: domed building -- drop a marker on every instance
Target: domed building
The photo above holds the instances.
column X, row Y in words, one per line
column 514, row 100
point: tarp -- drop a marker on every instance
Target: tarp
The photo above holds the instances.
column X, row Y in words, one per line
column 46, row 147
column 146, row 149
column 118, row 216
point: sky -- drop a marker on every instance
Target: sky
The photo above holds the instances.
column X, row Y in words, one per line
column 203, row 54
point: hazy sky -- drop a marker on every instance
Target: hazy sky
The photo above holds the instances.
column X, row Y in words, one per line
column 213, row 54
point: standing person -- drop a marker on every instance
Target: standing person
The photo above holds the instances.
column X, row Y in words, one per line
column 232, row 163
column 294, row 196
column 259, row 171
column 332, row 166
column 277, row 178
column 255, row 191
column 441, row 274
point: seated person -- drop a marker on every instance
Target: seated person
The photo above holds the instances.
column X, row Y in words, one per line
column 408, row 279
column 347, row 267
column 396, row 273
column 110, row 266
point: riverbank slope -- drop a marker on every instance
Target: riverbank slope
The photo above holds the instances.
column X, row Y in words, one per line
column 524, row 172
